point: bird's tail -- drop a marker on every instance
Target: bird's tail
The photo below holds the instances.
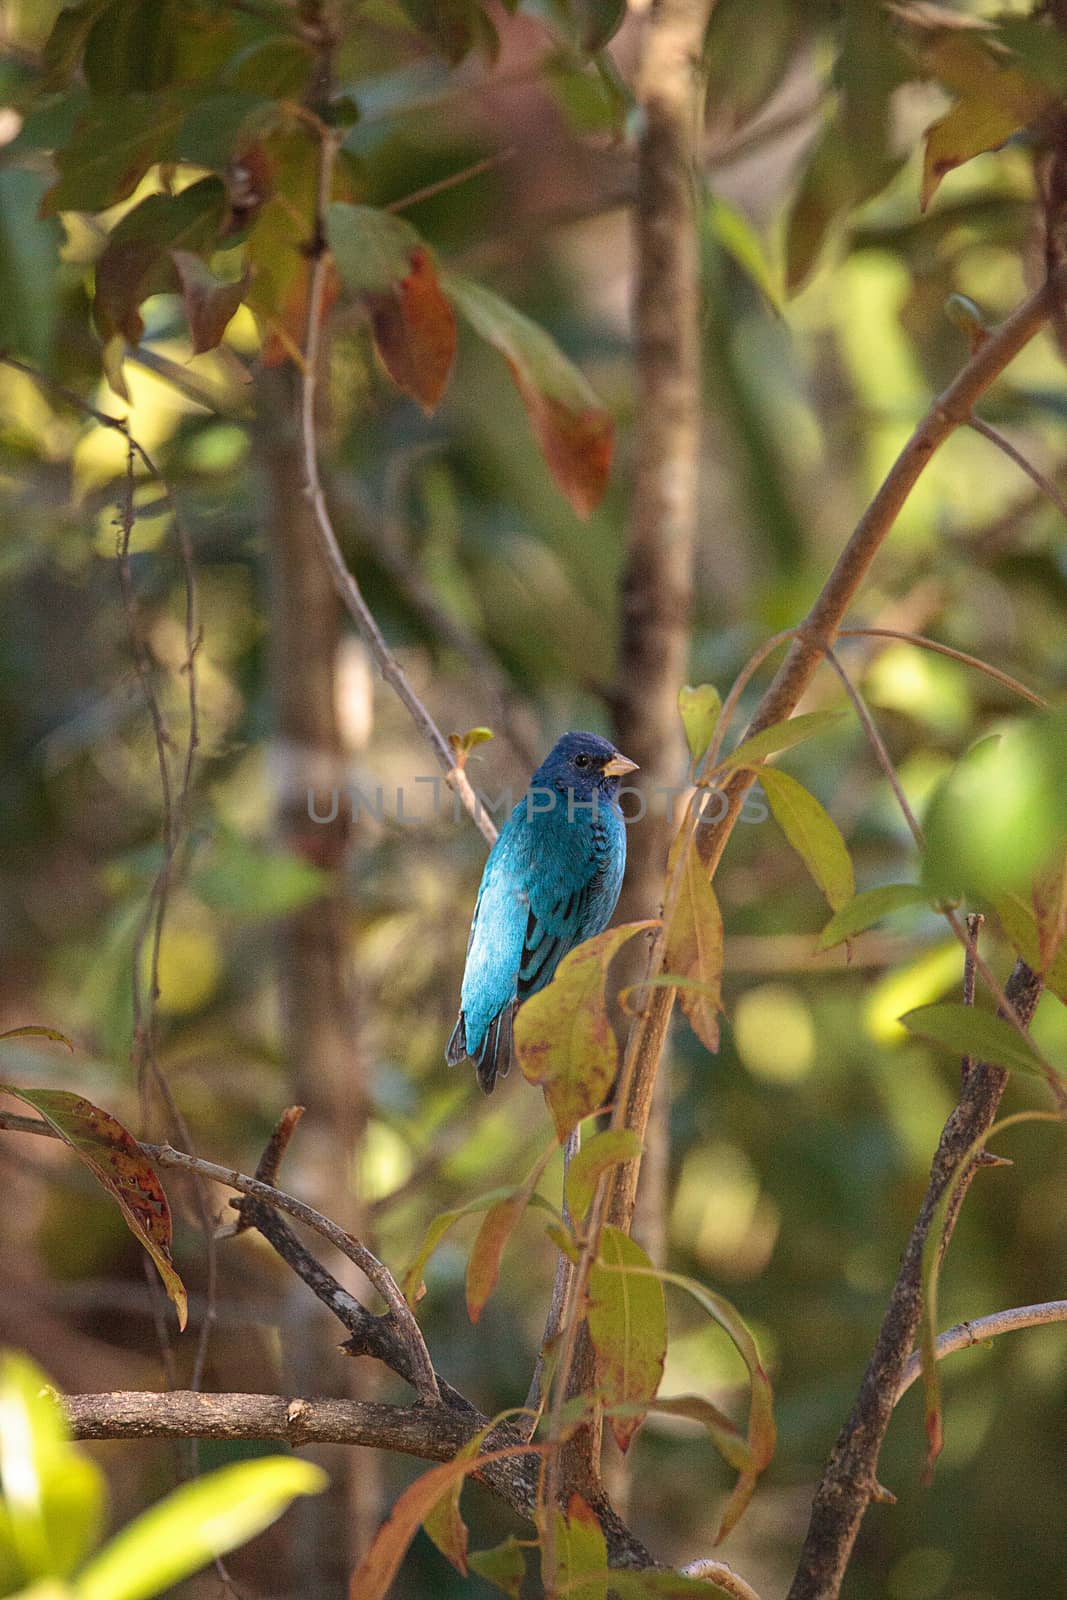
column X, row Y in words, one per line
column 493, row 1060
column 456, row 1048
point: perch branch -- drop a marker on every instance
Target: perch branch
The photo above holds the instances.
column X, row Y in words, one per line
column 966, row 1334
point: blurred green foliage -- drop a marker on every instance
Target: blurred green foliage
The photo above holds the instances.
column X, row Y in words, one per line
column 799, row 1152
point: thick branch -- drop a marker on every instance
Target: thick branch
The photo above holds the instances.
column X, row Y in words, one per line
column 951, row 410
column 849, row 1483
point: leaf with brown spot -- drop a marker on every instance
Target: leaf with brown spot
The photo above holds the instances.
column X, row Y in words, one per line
column 117, row 1162
column 576, row 435
column 563, row 1035
column 996, row 99
column 382, row 260
column 628, row 1328
column 210, row 303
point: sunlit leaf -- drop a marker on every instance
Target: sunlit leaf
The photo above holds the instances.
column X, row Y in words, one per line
column 865, row 909
column 1000, row 816
column 628, row 1327
column 694, row 944
column 996, row 99
column 782, row 736
column 813, row 834
column 699, row 708
column 195, row 1524
column 612, row 1147
column 563, row 1034
column 969, row 1032
column 411, row 1281
column 575, row 433
column 117, row 1162
column 52, row 1495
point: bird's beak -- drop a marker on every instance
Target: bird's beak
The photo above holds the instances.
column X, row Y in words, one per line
column 619, row 766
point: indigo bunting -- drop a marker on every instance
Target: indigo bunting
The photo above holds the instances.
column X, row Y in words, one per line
column 552, row 879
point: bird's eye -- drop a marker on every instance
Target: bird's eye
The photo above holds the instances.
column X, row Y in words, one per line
column 581, row 761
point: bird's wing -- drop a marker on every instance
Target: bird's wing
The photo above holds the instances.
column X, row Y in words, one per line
column 559, row 919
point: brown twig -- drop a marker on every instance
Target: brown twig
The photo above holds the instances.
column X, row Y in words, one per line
column 954, row 655
column 345, row 583
column 1047, row 487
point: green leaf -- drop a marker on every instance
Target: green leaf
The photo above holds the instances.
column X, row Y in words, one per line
column 33, row 1031
column 761, row 1432
column 933, row 1252
column 504, row 1566
column 563, row 1035
column 574, row 432
column 1020, row 925
column 970, row 1032
column 628, row 1327
column 581, row 1553
column 411, row 1281
column 52, row 1496
column 694, row 943
column 119, row 1164
column 133, row 46
column 115, row 141
column 255, row 881
column 996, row 99
column 725, row 1434
column 612, row 1147
column 865, row 909
column 194, row 1524
column 1000, row 816
column 813, row 834
column 734, row 233
column 782, row 736
column 699, row 708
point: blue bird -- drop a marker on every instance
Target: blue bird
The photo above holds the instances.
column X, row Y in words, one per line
column 552, row 880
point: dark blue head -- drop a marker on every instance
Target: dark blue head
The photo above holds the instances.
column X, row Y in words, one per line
column 582, row 763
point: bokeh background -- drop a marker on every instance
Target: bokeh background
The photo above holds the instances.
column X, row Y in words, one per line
column 799, row 1154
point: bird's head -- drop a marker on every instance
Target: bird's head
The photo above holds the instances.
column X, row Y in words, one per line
column 582, row 763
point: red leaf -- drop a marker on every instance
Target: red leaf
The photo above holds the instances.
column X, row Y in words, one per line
column 117, row 1162
column 483, row 1267
column 415, row 332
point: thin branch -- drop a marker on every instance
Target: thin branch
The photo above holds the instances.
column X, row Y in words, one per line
column 1047, row 487
column 722, row 1575
column 344, row 582
column 966, row 1334
column 954, row 655
column 430, row 190
column 164, row 1155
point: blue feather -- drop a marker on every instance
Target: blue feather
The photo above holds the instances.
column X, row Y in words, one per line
column 551, row 881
